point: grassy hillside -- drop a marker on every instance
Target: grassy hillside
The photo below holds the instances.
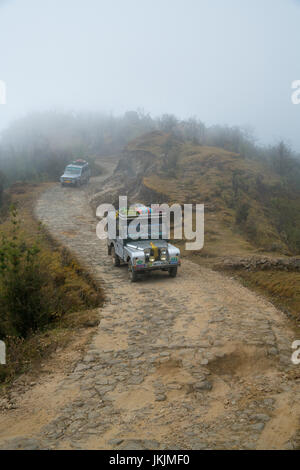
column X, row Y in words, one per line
column 252, row 205
column 45, row 295
column 249, row 207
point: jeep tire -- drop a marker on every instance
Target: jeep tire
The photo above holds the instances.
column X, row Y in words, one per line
column 173, row 271
column 115, row 257
column 132, row 273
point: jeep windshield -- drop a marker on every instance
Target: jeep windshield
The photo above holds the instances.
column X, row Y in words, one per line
column 72, row 170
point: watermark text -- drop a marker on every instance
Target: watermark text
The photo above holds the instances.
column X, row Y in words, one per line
column 152, row 223
column 2, row 92
column 296, row 94
column 2, row 353
column 296, row 354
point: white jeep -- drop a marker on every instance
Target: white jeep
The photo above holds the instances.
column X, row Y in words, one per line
column 142, row 255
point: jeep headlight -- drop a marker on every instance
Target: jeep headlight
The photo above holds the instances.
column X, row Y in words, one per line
column 151, row 259
column 163, row 254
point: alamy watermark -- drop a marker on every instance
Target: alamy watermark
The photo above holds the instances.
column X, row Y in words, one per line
column 2, row 352
column 144, row 225
column 2, row 92
column 296, row 93
column 296, row 354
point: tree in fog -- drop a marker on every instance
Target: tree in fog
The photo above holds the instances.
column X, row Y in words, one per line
column 193, row 130
column 41, row 144
column 281, row 158
column 168, row 123
column 1, row 186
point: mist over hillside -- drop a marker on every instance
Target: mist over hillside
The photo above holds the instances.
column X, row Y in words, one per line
column 249, row 197
column 254, row 190
column 226, row 62
column 39, row 145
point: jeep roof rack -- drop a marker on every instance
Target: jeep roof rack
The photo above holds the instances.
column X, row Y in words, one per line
column 79, row 162
column 138, row 210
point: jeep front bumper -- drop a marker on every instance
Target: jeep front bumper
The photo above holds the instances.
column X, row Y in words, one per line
column 156, row 265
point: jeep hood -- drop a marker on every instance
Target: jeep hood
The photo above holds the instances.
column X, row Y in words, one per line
column 143, row 244
column 70, row 176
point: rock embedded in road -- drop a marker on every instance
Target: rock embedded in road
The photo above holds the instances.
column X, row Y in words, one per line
column 204, row 385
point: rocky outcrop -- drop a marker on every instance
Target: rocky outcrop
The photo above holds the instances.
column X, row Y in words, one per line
column 261, row 263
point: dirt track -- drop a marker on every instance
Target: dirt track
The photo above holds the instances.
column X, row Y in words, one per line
column 196, row 362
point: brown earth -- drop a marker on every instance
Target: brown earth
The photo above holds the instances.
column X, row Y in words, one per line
column 195, row 362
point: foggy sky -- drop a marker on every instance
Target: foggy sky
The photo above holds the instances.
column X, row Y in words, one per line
column 224, row 61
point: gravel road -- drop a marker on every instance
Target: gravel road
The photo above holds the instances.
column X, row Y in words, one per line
column 195, row 362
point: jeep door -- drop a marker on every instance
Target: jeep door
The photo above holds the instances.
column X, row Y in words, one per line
column 83, row 175
column 119, row 247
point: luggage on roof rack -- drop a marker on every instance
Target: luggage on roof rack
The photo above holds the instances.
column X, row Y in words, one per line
column 138, row 210
column 79, row 162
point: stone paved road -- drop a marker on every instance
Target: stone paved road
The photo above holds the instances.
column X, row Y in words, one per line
column 196, row 362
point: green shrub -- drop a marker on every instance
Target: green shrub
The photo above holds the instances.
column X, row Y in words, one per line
column 242, row 213
column 23, row 306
